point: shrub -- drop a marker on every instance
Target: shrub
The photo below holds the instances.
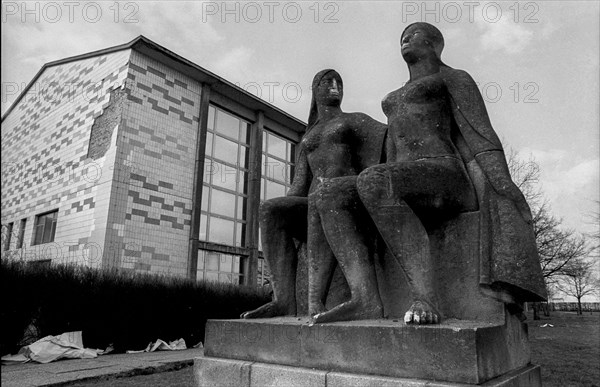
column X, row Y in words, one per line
column 115, row 307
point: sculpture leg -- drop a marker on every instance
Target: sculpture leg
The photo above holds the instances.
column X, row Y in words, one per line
column 281, row 219
column 321, row 261
column 345, row 223
column 392, row 193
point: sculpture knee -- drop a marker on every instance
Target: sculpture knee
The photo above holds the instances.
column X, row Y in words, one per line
column 272, row 213
column 373, row 185
column 335, row 194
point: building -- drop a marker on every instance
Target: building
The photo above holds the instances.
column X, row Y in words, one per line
column 135, row 158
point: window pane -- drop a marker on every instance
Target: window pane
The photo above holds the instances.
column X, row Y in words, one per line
column 200, row 265
column 276, row 146
column 221, row 231
column 212, row 261
column 259, row 240
column 48, row 237
column 39, row 233
column 236, row 264
column 274, row 169
column 239, row 236
column 21, row 233
column 8, row 236
column 226, row 150
column 274, row 190
column 211, row 117
column 241, row 210
column 243, row 162
column 209, row 144
column 52, row 230
column 209, row 170
column 244, row 130
column 226, row 261
column 227, row 124
column 225, row 176
column 204, row 204
column 222, row 203
column 202, row 235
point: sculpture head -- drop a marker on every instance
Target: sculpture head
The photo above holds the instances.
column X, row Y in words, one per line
column 421, row 41
column 327, row 90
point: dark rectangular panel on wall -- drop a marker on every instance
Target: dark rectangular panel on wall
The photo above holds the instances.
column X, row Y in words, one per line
column 198, row 176
column 254, row 172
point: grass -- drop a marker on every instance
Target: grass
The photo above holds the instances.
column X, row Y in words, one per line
column 568, row 352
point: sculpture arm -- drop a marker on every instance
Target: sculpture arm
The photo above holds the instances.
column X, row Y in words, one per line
column 495, row 168
column 302, row 175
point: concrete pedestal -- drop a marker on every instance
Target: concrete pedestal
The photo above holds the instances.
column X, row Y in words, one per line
column 214, row 372
column 287, row 351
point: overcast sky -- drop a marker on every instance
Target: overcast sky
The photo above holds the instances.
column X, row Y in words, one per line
column 537, row 63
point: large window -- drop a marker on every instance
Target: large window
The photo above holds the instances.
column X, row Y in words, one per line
column 277, row 166
column 45, row 227
column 213, row 266
column 225, row 186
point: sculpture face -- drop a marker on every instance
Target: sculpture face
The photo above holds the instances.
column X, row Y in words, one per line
column 416, row 45
column 330, row 91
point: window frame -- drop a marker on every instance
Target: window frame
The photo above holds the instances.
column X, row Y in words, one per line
column 37, row 225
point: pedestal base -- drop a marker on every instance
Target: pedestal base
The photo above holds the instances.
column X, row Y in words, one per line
column 457, row 351
column 216, row 372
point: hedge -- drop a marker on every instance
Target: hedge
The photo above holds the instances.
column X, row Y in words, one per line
column 125, row 309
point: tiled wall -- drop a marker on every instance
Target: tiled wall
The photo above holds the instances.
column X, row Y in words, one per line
column 45, row 163
column 151, row 206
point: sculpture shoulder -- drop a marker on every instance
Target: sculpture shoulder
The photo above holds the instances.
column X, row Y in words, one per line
column 455, row 78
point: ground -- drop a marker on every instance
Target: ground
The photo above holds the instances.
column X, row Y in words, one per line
column 568, row 352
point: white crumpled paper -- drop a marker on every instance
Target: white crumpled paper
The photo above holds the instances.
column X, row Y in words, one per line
column 50, row 348
column 160, row 345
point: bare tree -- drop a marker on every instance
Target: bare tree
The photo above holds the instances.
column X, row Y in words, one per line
column 557, row 247
column 578, row 280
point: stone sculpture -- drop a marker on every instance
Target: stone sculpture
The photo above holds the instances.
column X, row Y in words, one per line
column 442, row 160
column 323, row 205
column 438, row 124
column 432, row 228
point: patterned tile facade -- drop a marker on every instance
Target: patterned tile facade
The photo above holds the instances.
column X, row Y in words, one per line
column 158, row 133
column 45, row 163
column 109, row 142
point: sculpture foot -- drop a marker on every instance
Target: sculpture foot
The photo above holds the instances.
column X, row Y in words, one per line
column 314, row 309
column 349, row 310
column 421, row 313
column 272, row 309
